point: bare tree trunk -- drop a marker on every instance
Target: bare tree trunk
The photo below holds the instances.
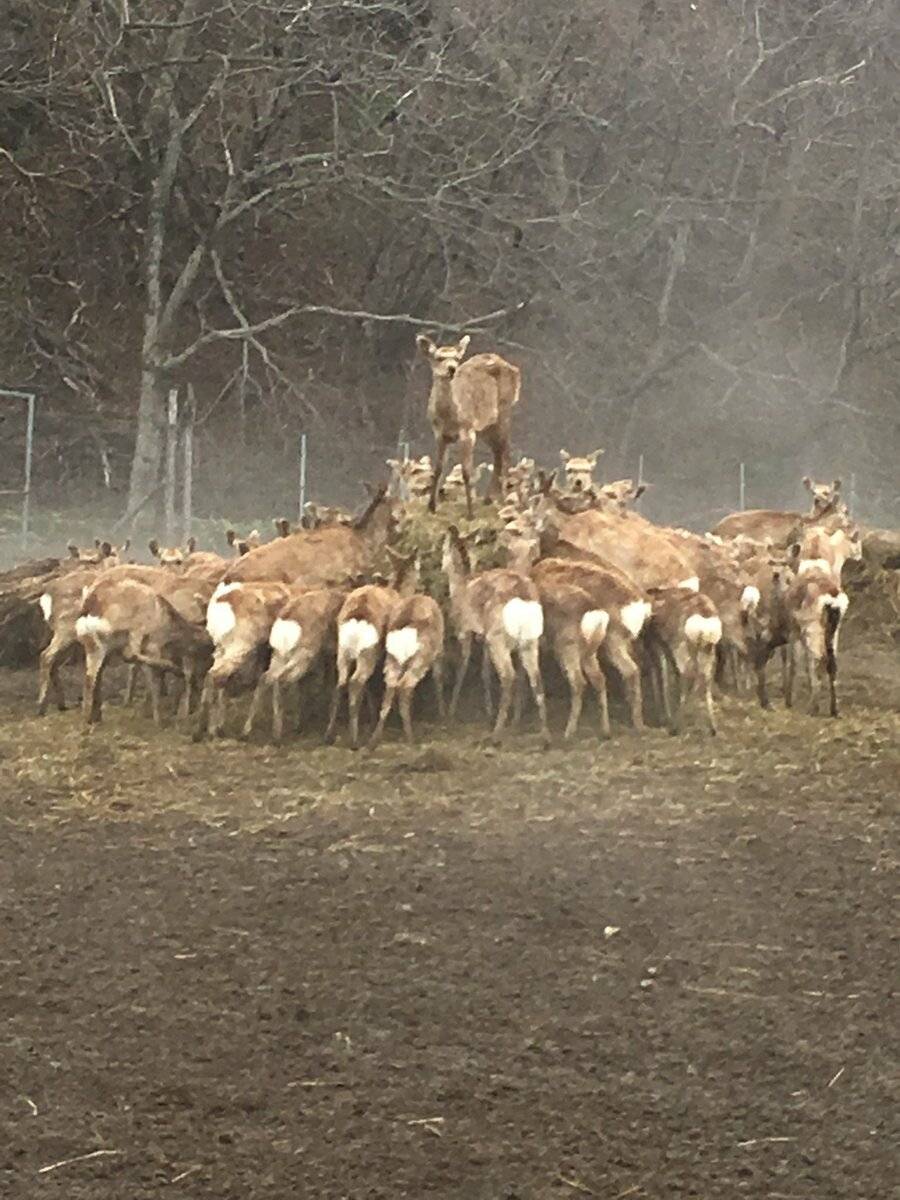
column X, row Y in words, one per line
column 148, row 443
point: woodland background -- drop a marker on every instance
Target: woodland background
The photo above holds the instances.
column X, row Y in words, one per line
column 680, row 219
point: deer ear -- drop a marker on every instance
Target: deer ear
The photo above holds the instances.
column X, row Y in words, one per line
column 836, row 486
column 565, row 455
column 463, row 344
column 191, row 545
column 794, row 550
column 153, row 547
column 425, row 344
column 230, row 537
column 592, row 458
column 106, row 549
column 639, row 491
column 807, row 483
column 72, row 549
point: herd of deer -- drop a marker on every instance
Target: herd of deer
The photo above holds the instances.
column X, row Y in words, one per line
column 594, row 584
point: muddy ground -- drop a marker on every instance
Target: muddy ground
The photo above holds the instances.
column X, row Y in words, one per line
column 656, row 968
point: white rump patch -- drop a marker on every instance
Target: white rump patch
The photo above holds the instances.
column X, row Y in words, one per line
column 46, row 603
column 813, row 564
column 841, row 602
column 355, row 636
column 402, row 644
column 523, row 621
column 750, row 598
column 220, row 620
column 703, row 631
column 91, row 626
column 692, row 584
column 285, row 635
column 634, row 616
column 594, row 623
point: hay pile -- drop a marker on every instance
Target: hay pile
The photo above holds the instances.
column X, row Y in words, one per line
column 873, row 585
column 424, row 533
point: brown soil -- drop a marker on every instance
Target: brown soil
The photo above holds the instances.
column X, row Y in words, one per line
column 656, row 968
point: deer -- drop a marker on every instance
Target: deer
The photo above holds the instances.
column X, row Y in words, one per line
column 100, row 552
column 777, row 526
column 129, row 616
column 453, row 489
column 502, row 608
column 413, row 648
column 410, row 478
column 573, row 624
column 304, row 631
column 361, row 628
column 243, row 545
column 617, row 497
column 323, row 557
column 469, row 399
column 627, row 542
column 60, row 605
column 684, row 632
column 579, row 470
column 239, row 619
column 819, row 549
column 806, row 616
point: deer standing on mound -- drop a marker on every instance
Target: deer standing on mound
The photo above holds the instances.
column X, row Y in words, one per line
column 469, row 400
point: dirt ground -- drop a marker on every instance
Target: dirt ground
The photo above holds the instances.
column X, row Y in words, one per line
column 661, row 967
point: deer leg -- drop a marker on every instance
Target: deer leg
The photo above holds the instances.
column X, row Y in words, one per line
column 569, row 659
column 406, row 698
column 343, row 671
column 92, row 701
column 51, row 660
column 789, row 662
column 467, row 460
column 256, row 703
column 486, row 689
column 277, row 710
column 500, row 447
column 365, row 666
column 706, row 668
column 440, row 456
column 619, row 653
column 531, row 661
column 597, row 679
column 503, row 665
column 154, row 678
column 387, row 703
column 465, row 650
column 437, row 678
column 812, row 675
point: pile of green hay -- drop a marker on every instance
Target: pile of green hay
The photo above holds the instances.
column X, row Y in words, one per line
column 423, row 532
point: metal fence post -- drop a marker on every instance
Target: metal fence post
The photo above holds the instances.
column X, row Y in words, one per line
column 171, row 464
column 187, row 507
column 742, row 497
column 304, row 453
column 853, row 494
column 29, row 454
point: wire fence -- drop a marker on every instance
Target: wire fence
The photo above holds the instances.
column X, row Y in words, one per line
column 236, row 489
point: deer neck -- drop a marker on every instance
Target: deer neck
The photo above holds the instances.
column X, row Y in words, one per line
column 441, row 405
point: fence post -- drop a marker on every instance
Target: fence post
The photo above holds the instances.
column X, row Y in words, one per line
column 742, row 497
column 640, row 478
column 29, row 454
column 171, row 466
column 303, row 461
column 853, row 494
column 187, row 499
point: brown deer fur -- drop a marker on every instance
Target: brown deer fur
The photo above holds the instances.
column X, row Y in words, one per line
column 414, row 646
column 683, row 632
column 304, row 630
column 469, row 399
column 239, row 621
column 502, row 608
column 129, row 616
column 322, row 557
column 362, row 623
column 778, row 527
